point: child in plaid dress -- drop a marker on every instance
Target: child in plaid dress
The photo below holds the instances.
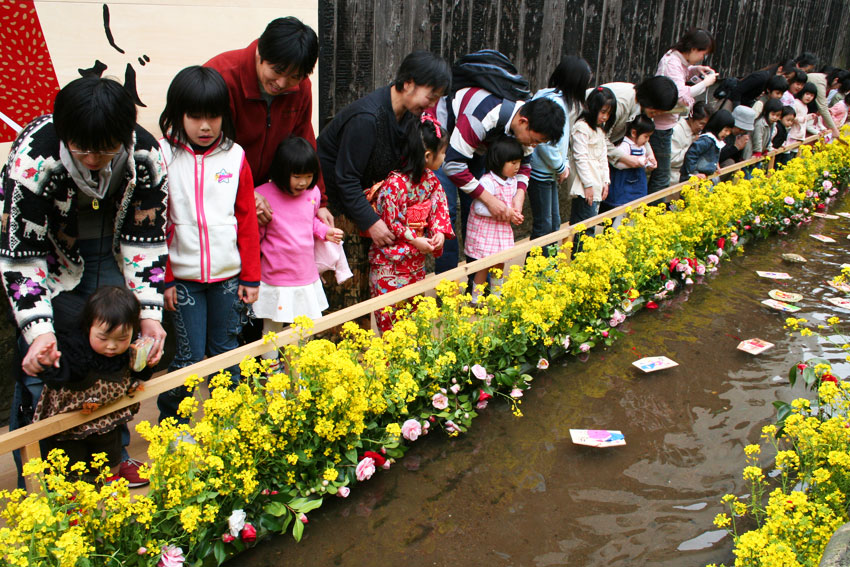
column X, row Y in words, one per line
column 484, row 234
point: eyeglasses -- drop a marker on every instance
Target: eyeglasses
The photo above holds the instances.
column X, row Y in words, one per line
column 79, row 153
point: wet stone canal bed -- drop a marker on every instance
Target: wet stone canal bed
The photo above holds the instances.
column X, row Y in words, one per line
column 516, row 491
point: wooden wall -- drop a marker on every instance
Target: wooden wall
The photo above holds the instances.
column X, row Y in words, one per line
column 363, row 41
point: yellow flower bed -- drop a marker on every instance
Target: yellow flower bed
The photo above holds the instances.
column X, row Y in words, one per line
column 269, row 450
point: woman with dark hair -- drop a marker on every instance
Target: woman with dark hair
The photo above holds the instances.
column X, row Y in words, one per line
column 550, row 161
column 85, row 193
column 682, row 64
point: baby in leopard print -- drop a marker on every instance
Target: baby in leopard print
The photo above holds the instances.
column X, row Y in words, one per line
column 88, row 367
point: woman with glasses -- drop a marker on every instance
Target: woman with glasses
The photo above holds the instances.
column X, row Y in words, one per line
column 84, row 194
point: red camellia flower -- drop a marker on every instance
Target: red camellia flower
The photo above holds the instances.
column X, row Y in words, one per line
column 821, row 206
column 721, row 242
column 692, row 262
column 248, row 534
column 801, row 367
column 227, row 538
column 829, row 378
column 483, row 396
column 673, row 263
column 377, row 457
column 651, row 305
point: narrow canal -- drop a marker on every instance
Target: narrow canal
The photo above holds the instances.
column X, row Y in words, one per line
column 517, row 492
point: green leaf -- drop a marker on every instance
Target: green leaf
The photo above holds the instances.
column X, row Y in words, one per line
column 219, row 552
column 792, row 375
column 352, row 455
column 310, row 505
column 298, row 530
column 271, row 523
column 276, row 509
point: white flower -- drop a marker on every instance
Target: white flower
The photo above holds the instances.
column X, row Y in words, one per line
column 567, row 342
column 516, row 393
column 236, row 522
column 440, row 401
column 542, row 364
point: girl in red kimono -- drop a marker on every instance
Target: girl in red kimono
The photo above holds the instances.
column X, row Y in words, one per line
column 413, row 205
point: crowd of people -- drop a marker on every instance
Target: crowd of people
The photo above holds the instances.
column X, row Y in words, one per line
column 236, row 210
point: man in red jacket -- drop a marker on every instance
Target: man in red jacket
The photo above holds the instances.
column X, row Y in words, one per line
column 271, row 96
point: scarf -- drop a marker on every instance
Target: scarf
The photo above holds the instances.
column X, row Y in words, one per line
column 84, row 178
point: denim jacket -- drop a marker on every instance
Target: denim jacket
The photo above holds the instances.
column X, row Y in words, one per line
column 702, row 156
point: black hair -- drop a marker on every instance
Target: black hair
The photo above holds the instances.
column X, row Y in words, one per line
column 501, row 151
column 718, row 121
column 833, row 74
column 642, row 124
column 116, row 306
column 844, row 86
column 771, row 105
column 422, row 136
column 785, row 64
column 659, row 93
column 599, row 98
column 786, row 110
column 699, row 110
column 571, row 77
column 196, row 91
column 95, row 114
column 289, row 45
column 293, row 156
column 808, row 88
column 546, row 117
column 776, row 83
column 806, row 59
column 425, row 69
column 800, row 76
column 695, row 38
column 847, row 99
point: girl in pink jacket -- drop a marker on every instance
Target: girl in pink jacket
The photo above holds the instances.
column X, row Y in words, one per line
column 289, row 282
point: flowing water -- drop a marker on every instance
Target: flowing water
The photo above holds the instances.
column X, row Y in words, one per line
column 516, row 491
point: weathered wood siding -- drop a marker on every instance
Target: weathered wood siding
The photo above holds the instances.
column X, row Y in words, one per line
column 363, row 41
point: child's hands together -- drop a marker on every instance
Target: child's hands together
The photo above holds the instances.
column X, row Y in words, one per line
column 422, row 244
column 437, row 240
column 516, row 216
column 334, row 235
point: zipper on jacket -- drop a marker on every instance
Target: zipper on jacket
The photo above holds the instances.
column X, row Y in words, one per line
column 203, row 235
column 265, row 138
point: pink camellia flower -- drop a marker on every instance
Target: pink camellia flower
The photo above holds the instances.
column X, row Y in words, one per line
column 455, row 388
column 747, row 227
column 681, row 267
column 809, row 194
column 142, row 550
column 613, row 322
column 719, row 252
column 827, row 184
column 451, row 427
column 227, row 538
column 172, row 556
column 826, row 173
column 567, row 342
column 343, row 492
column 411, row 429
column 757, row 220
column 303, row 518
column 248, row 534
column 479, row 372
column 713, row 259
column 481, row 405
column 700, row 269
column 806, row 210
column 440, row 401
column 786, row 221
column 605, row 334
column 466, row 368
column 660, row 295
column 734, row 238
column 584, row 347
column 689, row 281
column 365, row 469
column 542, row 364
column 386, row 464
column 516, row 393
column 789, row 200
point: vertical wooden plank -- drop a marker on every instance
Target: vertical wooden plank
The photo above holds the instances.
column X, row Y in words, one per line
column 533, row 65
column 510, row 32
column 32, row 451
column 390, row 42
column 327, row 59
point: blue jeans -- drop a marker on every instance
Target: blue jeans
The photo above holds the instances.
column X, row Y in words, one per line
column 580, row 211
column 208, row 320
column 451, row 249
column 660, row 141
column 545, row 210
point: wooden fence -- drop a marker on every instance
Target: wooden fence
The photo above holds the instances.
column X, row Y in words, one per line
column 27, row 438
column 362, row 42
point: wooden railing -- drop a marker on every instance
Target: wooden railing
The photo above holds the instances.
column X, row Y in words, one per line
column 27, row 438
